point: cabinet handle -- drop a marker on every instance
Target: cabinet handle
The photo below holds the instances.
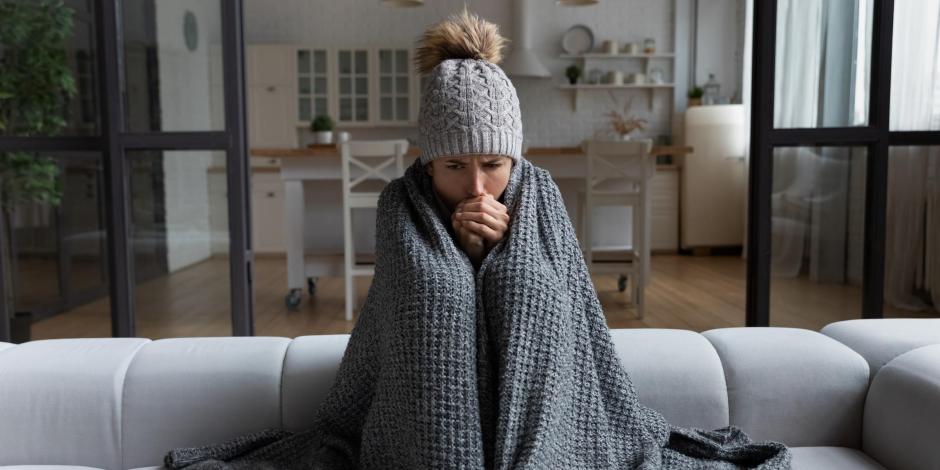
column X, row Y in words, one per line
column 271, row 88
column 270, row 194
column 273, row 161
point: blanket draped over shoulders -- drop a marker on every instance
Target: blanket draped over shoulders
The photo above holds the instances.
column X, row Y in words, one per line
column 506, row 366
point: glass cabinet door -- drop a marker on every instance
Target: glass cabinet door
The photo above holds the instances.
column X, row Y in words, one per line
column 353, row 79
column 395, row 78
column 311, row 84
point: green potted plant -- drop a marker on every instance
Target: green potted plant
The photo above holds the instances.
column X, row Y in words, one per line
column 573, row 72
column 35, row 86
column 322, row 127
column 695, row 96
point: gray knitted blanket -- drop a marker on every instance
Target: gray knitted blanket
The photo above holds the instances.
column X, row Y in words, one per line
column 508, row 365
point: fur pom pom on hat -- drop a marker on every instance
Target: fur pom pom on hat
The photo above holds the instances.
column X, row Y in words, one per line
column 468, row 105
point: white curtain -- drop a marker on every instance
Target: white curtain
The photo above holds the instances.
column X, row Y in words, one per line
column 811, row 221
column 912, row 250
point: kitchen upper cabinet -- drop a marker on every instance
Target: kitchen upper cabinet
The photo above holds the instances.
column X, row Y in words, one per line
column 313, row 72
column 398, row 88
column 271, row 95
column 352, row 76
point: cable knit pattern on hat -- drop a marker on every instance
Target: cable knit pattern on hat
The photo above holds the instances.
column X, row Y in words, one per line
column 468, row 105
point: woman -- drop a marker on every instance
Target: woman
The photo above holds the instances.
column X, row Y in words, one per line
column 481, row 342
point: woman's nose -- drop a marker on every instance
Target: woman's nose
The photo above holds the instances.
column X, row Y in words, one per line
column 477, row 187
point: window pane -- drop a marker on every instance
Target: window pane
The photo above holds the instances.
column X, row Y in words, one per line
column 319, row 61
column 173, row 65
column 303, row 85
column 361, row 62
column 180, row 239
column 401, row 84
column 61, row 273
column 385, row 84
column 385, row 108
column 912, row 242
column 304, row 108
column 320, row 86
column 362, row 109
column 38, row 79
column 345, row 109
column 401, row 61
column 345, row 64
column 401, row 109
column 361, row 86
column 321, row 107
column 385, row 61
column 823, row 62
column 345, row 85
column 817, row 233
column 303, row 61
column 915, row 79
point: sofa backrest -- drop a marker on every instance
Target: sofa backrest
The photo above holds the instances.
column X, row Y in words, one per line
column 120, row 403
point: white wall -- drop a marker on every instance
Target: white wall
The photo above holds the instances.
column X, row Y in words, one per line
column 720, row 45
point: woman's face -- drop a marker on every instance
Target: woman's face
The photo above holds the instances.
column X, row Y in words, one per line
column 460, row 177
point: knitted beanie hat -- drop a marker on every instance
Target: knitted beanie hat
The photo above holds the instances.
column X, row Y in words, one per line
column 468, row 105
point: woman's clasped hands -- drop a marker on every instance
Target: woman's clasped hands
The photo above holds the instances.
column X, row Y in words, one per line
column 480, row 223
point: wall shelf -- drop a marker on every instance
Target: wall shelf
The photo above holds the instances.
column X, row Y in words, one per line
column 604, row 55
column 649, row 87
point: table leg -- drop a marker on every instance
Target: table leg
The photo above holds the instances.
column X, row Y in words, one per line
column 294, row 232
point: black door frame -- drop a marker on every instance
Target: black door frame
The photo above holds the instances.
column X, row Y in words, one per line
column 876, row 137
column 114, row 142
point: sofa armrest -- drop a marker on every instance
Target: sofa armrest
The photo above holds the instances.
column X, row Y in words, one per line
column 902, row 413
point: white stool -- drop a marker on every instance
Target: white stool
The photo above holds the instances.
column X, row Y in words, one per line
column 361, row 189
column 618, row 174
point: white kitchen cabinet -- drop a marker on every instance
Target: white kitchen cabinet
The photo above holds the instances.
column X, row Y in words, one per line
column 313, row 83
column 272, row 92
column 267, row 212
column 664, row 210
column 397, row 92
column 353, row 71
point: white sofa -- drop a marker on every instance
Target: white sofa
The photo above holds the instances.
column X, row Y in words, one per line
column 122, row 403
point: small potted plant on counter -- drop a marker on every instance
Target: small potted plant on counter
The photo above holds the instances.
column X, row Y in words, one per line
column 695, row 96
column 322, row 126
column 573, row 72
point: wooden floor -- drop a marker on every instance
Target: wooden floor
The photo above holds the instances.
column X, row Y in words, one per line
column 687, row 292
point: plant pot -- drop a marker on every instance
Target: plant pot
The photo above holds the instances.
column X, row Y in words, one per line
column 324, row 137
column 695, row 102
column 572, row 80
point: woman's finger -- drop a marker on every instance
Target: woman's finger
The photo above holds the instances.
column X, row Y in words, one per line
column 483, row 230
column 484, row 218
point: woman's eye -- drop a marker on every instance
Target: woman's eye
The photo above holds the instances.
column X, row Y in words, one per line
column 494, row 165
column 453, row 167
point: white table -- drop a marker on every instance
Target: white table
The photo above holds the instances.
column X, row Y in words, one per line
column 323, row 164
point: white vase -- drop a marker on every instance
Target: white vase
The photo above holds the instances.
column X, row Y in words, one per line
column 624, row 136
column 324, row 137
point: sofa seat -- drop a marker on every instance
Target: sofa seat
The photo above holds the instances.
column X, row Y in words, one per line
column 814, row 458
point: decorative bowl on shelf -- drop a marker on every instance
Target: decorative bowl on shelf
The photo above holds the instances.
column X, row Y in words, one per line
column 578, row 40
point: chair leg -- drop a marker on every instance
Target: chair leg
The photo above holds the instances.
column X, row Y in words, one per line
column 639, row 293
column 348, row 263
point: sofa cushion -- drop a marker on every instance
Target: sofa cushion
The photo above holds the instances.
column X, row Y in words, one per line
column 815, row 458
column 902, row 414
column 880, row 340
column 198, row 391
column 792, row 385
column 60, row 401
column 5, row 345
column 676, row 372
column 310, row 367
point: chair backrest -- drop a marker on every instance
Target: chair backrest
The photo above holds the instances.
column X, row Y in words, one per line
column 368, row 165
column 623, row 160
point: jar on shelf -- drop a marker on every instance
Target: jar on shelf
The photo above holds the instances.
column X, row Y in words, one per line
column 649, row 46
column 712, row 89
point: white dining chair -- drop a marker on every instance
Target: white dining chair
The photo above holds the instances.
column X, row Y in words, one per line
column 368, row 165
column 618, row 174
